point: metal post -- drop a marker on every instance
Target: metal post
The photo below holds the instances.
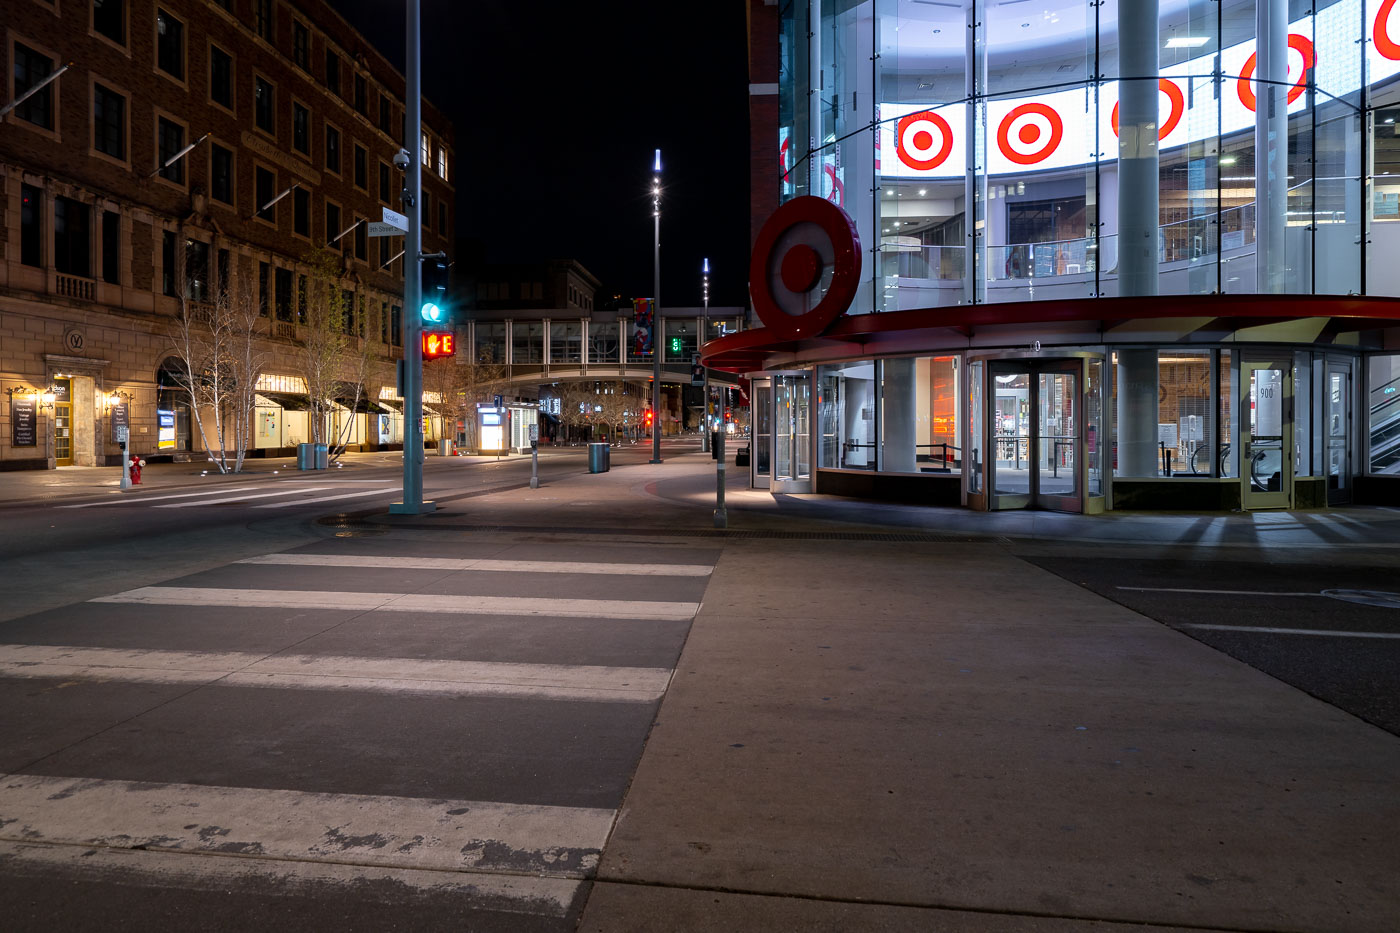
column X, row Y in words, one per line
column 721, row 514
column 658, row 333
column 126, row 460
column 413, row 503
column 534, row 464
column 705, row 335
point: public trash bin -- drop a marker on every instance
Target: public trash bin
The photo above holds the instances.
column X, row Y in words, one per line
column 306, row 456
column 323, row 456
column 598, row 457
column 445, row 446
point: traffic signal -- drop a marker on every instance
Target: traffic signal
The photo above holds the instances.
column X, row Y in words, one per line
column 647, row 418
column 434, row 310
column 436, row 346
column 675, row 345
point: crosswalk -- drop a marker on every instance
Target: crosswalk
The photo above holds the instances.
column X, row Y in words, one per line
column 457, row 721
column 288, row 493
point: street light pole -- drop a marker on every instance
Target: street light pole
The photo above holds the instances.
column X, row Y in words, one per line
column 658, row 333
column 413, row 503
column 705, row 335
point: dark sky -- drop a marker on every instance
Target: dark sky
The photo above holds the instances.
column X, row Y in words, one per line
column 556, row 109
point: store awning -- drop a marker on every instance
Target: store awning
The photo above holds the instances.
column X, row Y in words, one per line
column 284, row 400
column 391, row 404
column 364, row 405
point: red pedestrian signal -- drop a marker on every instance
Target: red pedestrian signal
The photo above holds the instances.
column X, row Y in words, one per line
column 647, row 417
column 436, row 346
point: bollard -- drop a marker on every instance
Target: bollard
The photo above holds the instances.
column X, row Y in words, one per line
column 126, row 462
column 534, row 464
column 721, row 516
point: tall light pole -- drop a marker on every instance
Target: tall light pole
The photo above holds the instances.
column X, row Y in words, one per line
column 658, row 333
column 705, row 335
column 413, row 503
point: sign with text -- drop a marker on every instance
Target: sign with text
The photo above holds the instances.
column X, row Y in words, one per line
column 395, row 219
column 378, row 229
column 436, row 346
column 119, row 422
column 24, row 422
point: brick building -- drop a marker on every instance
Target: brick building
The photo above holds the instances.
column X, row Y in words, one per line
column 192, row 147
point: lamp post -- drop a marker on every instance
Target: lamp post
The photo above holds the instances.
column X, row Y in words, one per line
column 705, row 335
column 658, row 333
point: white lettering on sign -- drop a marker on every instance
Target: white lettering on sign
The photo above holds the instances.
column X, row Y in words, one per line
column 395, row 219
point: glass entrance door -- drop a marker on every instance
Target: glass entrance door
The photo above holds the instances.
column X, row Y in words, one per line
column 761, row 398
column 63, row 423
column 1336, row 430
column 1034, row 434
column 1266, row 434
column 792, row 433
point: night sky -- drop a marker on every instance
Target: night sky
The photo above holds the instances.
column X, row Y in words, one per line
column 556, row 109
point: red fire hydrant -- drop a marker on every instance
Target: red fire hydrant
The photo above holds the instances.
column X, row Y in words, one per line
column 136, row 464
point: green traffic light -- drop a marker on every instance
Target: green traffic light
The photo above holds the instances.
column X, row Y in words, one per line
column 432, row 313
column 675, row 344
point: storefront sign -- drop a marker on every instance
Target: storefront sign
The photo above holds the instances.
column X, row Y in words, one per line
column 165, row 438
column 119, row 422
column 24, row 422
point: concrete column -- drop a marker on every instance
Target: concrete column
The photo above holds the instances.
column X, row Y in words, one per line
column 1138, row 211
column 1137, row 413
column 1271, row 143
column 898, row 417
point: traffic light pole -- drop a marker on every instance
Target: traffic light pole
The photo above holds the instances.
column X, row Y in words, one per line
column 413, row 503
column 658, row 333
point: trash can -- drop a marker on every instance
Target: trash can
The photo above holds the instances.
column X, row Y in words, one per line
column 598, row 457
column 306, row 456
column 323, row 456
column 445, row 447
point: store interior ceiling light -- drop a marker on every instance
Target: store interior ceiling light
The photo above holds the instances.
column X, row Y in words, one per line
column 1187, row 42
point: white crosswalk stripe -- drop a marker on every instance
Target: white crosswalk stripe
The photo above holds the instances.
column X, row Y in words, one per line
column 386, row 491
column 411, row 675
column 223, row 495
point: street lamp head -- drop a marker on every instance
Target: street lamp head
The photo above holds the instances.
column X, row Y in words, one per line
column 656, row 167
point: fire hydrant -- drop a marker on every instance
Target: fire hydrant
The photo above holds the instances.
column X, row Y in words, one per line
column 136, row 464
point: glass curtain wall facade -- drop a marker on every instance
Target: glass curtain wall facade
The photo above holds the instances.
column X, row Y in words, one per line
column 976, row 144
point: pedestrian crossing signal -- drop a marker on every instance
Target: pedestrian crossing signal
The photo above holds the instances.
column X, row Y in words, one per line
column 436, row 346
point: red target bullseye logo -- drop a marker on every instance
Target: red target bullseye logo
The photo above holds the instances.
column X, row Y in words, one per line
column 1300, row 44
column 1174, row 114
column 1385, row 44
column 804, row 240
column 923, row 140
column 1030, row 132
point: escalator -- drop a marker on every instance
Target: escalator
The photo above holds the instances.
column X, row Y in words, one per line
column 1385, row 427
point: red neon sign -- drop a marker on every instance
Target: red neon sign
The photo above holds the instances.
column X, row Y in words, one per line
column 438, row 345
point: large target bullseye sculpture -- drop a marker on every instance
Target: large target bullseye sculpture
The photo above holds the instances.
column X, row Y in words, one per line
column 805, row 267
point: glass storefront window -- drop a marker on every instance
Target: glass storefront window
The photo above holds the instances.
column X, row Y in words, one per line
column 1185, row 422
column 1093, row 428
column 974, row 427
column 565, row 341
column 918, row 422
column 1226, row 460
column 602, row 342
column 847, row 416
column 527, row 342
column 491, row 343
column 1383, row 406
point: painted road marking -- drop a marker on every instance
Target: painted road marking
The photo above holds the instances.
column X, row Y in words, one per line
column 1289, row 631
column 509, row 566
column 387, row 490
column 398, row 832
column 263, row 495
column 181, row 495
column 376, row 675
column 1173, row 589
column 406, row 602
column 550, row 897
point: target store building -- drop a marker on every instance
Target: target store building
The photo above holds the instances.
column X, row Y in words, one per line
column 1075, row 255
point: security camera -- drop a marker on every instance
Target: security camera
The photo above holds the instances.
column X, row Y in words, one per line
column 401, row 160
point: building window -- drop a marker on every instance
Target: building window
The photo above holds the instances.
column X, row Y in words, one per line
column 283, row 279
column 263, row 272
column 386, row 186
column 171, row 139
column 332, row 223
column 111, row 247
column 223, row 284
column 442, row 217
column 72, row 237
column 396, row 325
column 384, row 253
column 265, row 191
column 108, row 122
column 386, row 116
column 332, row 72
column 220, row 173
column 347, row 312
column 301, row 212
column 361, row 95
column 30, row 69
column 301, row 128
column 362, row 241
column 109, row 19
column 263, row 11
column 30, row 226
column 301, row 45
column 170, row 45
column 332, row 149
column 197, row 271
column 427, row 203
column 220, row 77
column 427, row 148
column 384, row 322
column 301, row 299
column 262, row 106
column 361, row 167
column 442, row 163
column 167, row 263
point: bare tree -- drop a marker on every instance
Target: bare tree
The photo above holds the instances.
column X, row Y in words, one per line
column 222, row 355
column 334, row 359
column 479, row 380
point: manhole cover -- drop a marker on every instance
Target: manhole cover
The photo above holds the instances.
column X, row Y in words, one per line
column 1366, row 597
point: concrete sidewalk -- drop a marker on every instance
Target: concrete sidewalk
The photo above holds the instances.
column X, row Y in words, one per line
column 872, row 731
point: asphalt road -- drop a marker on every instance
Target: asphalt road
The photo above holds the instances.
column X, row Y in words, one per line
column 1295, row 619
